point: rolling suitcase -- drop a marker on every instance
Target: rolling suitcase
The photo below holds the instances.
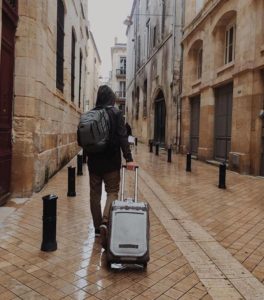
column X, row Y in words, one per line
column 128, row 240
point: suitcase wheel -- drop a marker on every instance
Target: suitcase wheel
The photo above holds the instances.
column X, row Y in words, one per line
column 145, row 265
column 109, row 265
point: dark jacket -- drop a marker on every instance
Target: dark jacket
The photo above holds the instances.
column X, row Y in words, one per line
column 128, row 128
column 110, row 159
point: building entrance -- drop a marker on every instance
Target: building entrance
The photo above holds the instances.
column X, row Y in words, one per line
column 9, row 22
column 195, row 124
column 223, row 121
column 160, row 119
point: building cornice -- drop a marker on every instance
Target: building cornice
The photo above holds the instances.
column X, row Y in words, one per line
column 209, row 7
column 131, row 14
column 95, row 47
column 199, row 86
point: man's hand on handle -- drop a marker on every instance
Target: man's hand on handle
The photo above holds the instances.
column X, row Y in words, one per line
column 131, row 165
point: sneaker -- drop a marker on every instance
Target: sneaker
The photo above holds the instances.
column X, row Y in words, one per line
column 103, row 234
column 97, row 232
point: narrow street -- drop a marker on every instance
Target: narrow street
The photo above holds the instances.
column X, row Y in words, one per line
column 96, row 76
column 194, row 255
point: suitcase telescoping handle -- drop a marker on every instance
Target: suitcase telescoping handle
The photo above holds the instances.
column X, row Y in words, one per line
column 123, row 183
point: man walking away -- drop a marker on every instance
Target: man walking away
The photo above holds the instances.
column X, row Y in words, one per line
column 105, row 166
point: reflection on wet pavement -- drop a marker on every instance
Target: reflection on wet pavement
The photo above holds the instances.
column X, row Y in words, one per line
column 77, row 270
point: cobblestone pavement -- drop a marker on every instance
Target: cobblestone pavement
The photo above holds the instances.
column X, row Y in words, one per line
column 229, row 219
column 199, row 236
column 77, row 269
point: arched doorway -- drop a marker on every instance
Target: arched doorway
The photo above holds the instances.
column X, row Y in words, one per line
column 160, row 119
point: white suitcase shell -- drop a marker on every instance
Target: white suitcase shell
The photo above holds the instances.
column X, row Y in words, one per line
column 128, row 230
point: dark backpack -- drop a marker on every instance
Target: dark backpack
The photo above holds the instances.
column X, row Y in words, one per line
column 94, row 130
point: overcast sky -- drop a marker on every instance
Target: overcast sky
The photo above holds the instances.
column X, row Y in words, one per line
column 106, row 22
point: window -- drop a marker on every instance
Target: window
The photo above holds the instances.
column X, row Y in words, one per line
column 60, row 45
column 87, row 32
column 137, row 103
column 198, row 6
column 230, row 44
column 83, row 15
column 73, row 64
column 80, row 78
column 145, row 99
column 138, row 51
column 148, row 38
column 163, row 18
column 200, row 63
column 123, row 65
column 122, row 89
column 154, row 36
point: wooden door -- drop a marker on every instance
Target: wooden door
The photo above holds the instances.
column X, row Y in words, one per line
column 195, row 124
column 223, row 121
column 160, row 121
column 9, row 21
column 262, row 151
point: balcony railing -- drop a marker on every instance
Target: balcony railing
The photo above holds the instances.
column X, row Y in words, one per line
column 121, row 72
column 121, row 94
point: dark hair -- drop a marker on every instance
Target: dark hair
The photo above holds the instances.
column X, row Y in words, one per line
column 105, row 96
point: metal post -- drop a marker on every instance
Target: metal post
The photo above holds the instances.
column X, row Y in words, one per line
column 157, row 149
column 49, row 242
column 136, row 141
column 189, row 162
column 222, row 176
column 169, row 154
column 150, row 146
column 71, row 182
column 79, row 164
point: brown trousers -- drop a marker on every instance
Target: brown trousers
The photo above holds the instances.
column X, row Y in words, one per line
column 111, row 181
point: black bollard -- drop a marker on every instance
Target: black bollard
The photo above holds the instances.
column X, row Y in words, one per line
column 157, row 149
column 222, row 176
column 189, row 162
column 135, row 141
column 84, row 157
column 79, row 164
column 150, row 146
column 49, row 242
column 169, row 154
column 71, row 182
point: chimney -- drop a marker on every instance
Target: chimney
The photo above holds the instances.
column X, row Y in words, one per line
column 115, row 40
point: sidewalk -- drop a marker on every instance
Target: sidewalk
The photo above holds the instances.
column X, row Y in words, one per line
column 221, row 224
column 199, row 236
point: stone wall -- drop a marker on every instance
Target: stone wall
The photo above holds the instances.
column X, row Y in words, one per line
column 160, row 68
column 245, row 72
column 45, row 119
column 93, row 72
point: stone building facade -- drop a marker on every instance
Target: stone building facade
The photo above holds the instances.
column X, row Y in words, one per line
column 153, row 70
column 223, row 83
column 93, row 72
column 44, row 91
column 117, row 80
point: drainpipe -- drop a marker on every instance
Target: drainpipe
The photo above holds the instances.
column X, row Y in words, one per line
column 173, row 83
column 174, row 40
column 179, row 100
column 134, row 102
